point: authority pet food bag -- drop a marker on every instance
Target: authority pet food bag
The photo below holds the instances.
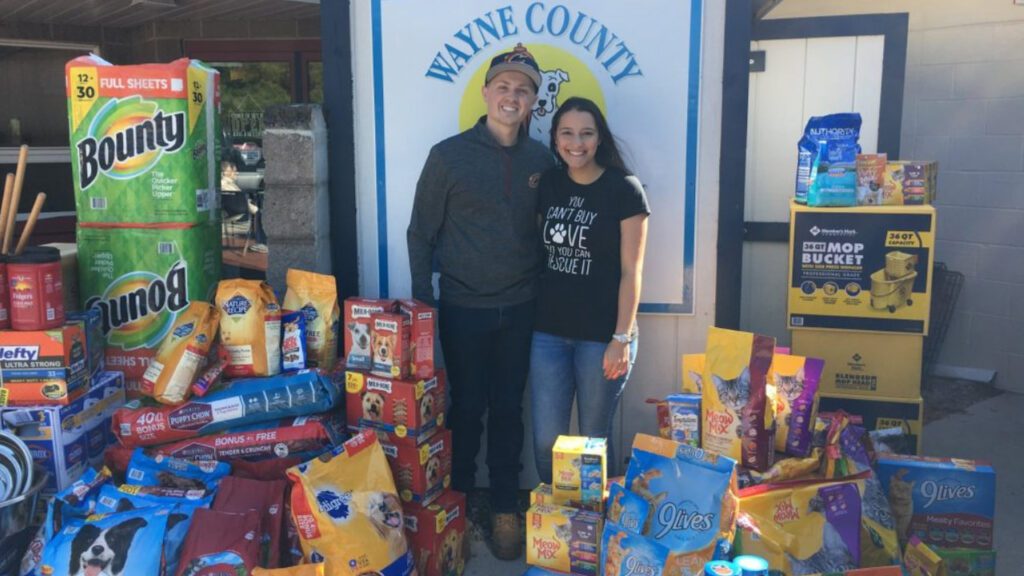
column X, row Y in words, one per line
column 170, row 374
column 316, row 296
column 145, row 470
column 221, row 543
column 736, row 415
column 144, row 141
column 348, row 513
column 795, row 380
column 250, row 327
column 122, row 543
column 826, row 173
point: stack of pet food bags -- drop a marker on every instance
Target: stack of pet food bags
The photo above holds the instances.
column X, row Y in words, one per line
column 393, row 389
column 144, row 160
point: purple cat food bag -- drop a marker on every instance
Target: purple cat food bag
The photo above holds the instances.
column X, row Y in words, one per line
column 796, row 381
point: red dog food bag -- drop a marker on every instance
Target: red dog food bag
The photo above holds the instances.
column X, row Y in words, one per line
column 357, row 329
column 389, row 345
column 421, row 337
column 221, row 543
column 436, row 532
column 241, row 495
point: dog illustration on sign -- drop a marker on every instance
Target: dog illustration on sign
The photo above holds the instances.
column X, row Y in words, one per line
column 547, row 103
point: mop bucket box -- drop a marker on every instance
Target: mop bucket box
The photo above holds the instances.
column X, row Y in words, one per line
column 861, row 268
column 144, row 141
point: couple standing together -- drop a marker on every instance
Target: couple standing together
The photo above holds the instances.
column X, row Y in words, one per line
column 540, row 261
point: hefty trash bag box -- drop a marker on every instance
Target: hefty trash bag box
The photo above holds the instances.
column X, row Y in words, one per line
column 43, row 366
column 66, row 440
column 144, row 141
column 866, row 268
column 408, row 410
column 436, row 535
column 140, row 279
column 945, row 502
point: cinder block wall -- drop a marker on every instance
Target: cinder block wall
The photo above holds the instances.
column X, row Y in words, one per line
column 964, row 106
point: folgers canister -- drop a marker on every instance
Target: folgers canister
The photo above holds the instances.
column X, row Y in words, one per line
column 5, row 296
column 36, row 289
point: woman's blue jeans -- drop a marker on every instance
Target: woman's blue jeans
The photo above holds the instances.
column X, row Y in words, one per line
column 563, row 369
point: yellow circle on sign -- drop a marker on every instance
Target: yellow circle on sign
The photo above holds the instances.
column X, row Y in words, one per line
column 406, row 496
column 353, row 382
column 401, row 431
column 578, row 81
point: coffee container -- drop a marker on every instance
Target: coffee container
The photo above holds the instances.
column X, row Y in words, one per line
column 36, row 284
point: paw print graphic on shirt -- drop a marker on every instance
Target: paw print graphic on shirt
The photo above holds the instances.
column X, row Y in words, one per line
column 557, row 233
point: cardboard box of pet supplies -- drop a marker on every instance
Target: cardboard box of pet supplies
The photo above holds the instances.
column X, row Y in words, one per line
column 880, row 413
column 868, row 365
column 865, row 268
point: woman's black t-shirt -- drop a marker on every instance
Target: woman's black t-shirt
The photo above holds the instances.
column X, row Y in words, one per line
column 580, row 224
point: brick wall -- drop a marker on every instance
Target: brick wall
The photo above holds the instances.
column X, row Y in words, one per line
column 964, row 106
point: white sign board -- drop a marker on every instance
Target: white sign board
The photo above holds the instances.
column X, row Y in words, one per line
column 639, row 60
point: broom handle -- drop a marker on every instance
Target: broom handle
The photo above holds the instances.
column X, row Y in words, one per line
column 30, row 224
column 12, row 210
column 5, row 206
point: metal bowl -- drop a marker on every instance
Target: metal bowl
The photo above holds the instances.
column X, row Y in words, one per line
column 17, row 513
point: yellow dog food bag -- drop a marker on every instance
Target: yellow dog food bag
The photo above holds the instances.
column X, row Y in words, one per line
column 737, row 418
column 347, row 511
column 250, row 327
column 301, row 570
column 316, row 296
column 171, row 372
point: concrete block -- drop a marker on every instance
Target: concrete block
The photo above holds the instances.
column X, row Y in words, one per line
column 1003, row 79
column 1005, row 116
column 956, row 346
column 986, row 297
column 919, row 147
column 284, row 255
column 982, row 225
column 1001, row 264
column 955, row 44
column 989, row 337
column 988, row 153
column 987, row 190
column 291, row 211
column 292, row 155
column 950, row 117
column 1013, row 378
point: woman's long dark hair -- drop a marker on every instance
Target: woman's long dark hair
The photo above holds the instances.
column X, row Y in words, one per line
column 607, row 154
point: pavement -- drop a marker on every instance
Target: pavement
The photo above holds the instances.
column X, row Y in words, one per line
column 992, row 429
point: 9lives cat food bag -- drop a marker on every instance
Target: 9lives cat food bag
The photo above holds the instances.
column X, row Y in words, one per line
column 736, row 415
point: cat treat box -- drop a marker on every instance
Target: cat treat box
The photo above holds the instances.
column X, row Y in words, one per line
column 945, row 502
column 563, row 539
column 579, row 472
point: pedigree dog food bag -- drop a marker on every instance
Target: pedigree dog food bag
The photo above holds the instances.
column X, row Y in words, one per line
column 171, row 372
column 250, row 327
column 316, row 297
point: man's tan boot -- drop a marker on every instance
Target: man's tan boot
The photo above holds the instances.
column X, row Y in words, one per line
column 506, row 536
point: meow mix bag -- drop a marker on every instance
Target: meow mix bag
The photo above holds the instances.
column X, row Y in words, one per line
column 169, row 376
column 348, row 513
column 795, row 380
column 736, row 415
column 250, row 327
column 316, row 296
column 693, row 373
column 692, row 498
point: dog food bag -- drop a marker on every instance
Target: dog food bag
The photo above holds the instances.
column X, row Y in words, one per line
column 579, row 472
column 250, row 327
column 389, row 345
column 294, row 355
column 679, row 418
column 737, row 420
column 692, row 499
column 358, row 327
column 795, row 380
column 316, row 296
column 241, row 495
column 408, row 410
column 804, row 529
column 241, row 402
column 106, row 545
column 221, row 543
column 870, row 179
column 348, row 513
column 436, row 534
column 212, row 375
column 301, row 570
column 169, row 376
column 693, row 373
column 564, row 539
column 626, row 509
column 826, row 173
column 279, row 439
column 626, row 553
column 145, row 470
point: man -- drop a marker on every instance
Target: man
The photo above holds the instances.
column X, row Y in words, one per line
column 475, row 215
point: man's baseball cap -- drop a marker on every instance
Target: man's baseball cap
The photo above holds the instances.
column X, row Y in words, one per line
column 518, row 60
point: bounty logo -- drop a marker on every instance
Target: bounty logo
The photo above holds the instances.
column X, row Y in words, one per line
column 333, row 504
column 139, row 308
column 126, row 138
column 562, row 76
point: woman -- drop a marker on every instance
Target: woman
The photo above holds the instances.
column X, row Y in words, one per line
column 593, row 217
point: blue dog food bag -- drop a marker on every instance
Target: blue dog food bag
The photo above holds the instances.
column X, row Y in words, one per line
column 826, row 172
column 160, row 470
column 120, row 543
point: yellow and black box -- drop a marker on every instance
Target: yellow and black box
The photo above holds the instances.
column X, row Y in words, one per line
column 881, row 413
column 865, row 268
column 862, row 364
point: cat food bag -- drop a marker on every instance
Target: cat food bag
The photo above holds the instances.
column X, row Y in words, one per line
column 241, row 495
column 737, row 419
column 182, row 353
column 347, row 511
column 691, row 494
column 693, row 373
column 626, row 509
column 221, row 543
column 679, row 418
column 316, row 296
column 795, row 380
column 802, row 529
column 301, row 570
column 920, row 560
column 250, row 327
column 106, row 545
column 293, row 342
column 626, row 553
column 826, row 173
column 879, row 545
column 870, row 179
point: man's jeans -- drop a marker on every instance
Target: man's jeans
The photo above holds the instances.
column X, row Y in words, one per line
column 563, row 369
column 487, row 355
